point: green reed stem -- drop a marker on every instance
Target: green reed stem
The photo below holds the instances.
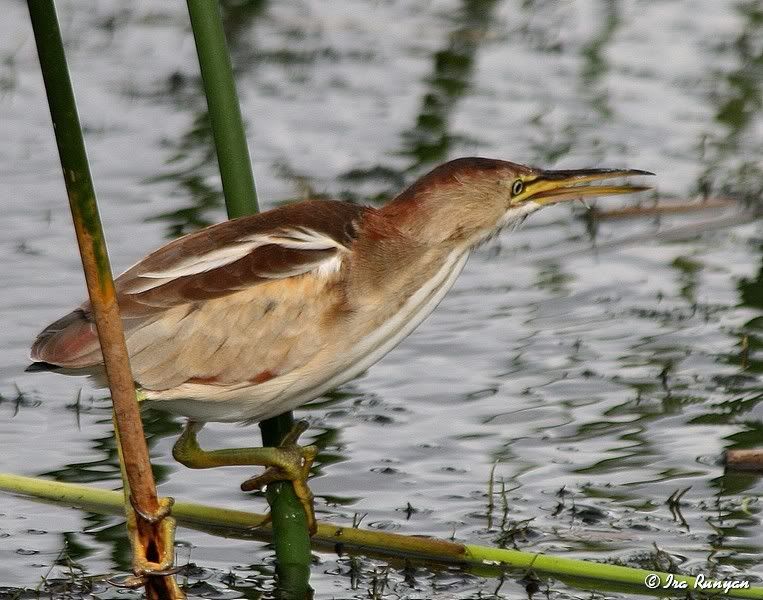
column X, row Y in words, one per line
column 481, row 560
column 224, row 110
column 291, row 537
column 290, row 529
column 137, row 474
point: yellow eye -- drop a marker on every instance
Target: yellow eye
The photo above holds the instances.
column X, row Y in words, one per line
column 517, row 187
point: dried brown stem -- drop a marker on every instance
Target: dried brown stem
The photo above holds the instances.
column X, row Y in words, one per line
column 744, row 460
column 150, row 540
column 663, row 208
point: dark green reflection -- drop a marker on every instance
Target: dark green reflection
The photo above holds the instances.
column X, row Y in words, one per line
column 430, row 140
column 595, row 65
column 732, row 158
column 193, row 163
column 732, row 166
column 157, row 425
column 552, row 141
column 729, row 518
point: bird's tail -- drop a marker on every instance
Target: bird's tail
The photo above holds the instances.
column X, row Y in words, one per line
column 71, row 342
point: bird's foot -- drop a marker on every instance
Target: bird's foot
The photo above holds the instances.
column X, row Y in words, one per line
column 287, row 462
column 142, row 566
column 164, row 510
column 291, row 462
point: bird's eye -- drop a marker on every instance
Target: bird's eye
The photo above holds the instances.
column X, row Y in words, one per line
column 517, row 187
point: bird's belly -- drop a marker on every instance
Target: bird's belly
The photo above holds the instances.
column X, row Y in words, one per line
column 329, row 369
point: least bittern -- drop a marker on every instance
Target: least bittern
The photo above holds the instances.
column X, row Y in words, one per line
column 250, row 318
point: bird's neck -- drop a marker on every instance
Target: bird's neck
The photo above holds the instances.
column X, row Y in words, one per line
column 396, row 251
column 445, row 217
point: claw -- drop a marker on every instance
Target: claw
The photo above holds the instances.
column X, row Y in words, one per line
column 132, row 582
column 294, row 466
column 128, row 582
column 266, row 520
column 142, row 566
column 291, row 438
column 164, row 510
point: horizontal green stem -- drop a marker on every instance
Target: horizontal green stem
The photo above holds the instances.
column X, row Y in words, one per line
column 487, row 560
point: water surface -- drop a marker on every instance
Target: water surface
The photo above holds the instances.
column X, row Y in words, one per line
column 596, row 364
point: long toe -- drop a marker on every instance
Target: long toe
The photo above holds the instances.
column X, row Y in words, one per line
column 258, row 482
column 292, row 464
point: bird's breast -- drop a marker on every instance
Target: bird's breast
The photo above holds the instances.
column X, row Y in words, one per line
column 382, row 322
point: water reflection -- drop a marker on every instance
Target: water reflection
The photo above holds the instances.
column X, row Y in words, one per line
column 603, row 386
column 595, row 65
column 107, row 531
column 583, row 133
column 196, row 175
column 731, row 159
column 732, row 165
column 430, row 140
column 157, row 425
column 751, row 294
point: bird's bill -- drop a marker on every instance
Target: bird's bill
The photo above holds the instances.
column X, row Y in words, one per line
column 550, row 187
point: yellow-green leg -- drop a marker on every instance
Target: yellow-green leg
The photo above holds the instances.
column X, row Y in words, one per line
column 288, row 462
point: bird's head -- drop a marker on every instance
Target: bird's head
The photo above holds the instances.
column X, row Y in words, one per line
column 467, row 200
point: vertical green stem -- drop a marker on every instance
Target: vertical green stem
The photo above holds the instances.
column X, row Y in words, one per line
column 137, row 474
column 224, row 109
column 290, row 531
column 290, row 537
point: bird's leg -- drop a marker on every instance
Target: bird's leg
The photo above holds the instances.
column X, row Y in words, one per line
column 287, row 462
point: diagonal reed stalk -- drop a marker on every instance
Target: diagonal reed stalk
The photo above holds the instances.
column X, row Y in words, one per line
column 152, row 539
column 481, row 560
column 291, row 538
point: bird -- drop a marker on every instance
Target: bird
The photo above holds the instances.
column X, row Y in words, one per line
column 249, row 318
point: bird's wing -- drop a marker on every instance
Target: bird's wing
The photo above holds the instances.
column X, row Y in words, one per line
column 244, row 300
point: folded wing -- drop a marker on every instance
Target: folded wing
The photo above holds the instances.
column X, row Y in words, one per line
column 242, row 301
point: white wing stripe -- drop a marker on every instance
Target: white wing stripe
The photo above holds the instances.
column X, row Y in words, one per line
column 143, row 285
column 206, row 262
column 298, row 238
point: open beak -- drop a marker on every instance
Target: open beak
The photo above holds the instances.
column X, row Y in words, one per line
column 551, row 187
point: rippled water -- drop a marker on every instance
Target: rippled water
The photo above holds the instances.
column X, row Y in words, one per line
column 597, row 363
